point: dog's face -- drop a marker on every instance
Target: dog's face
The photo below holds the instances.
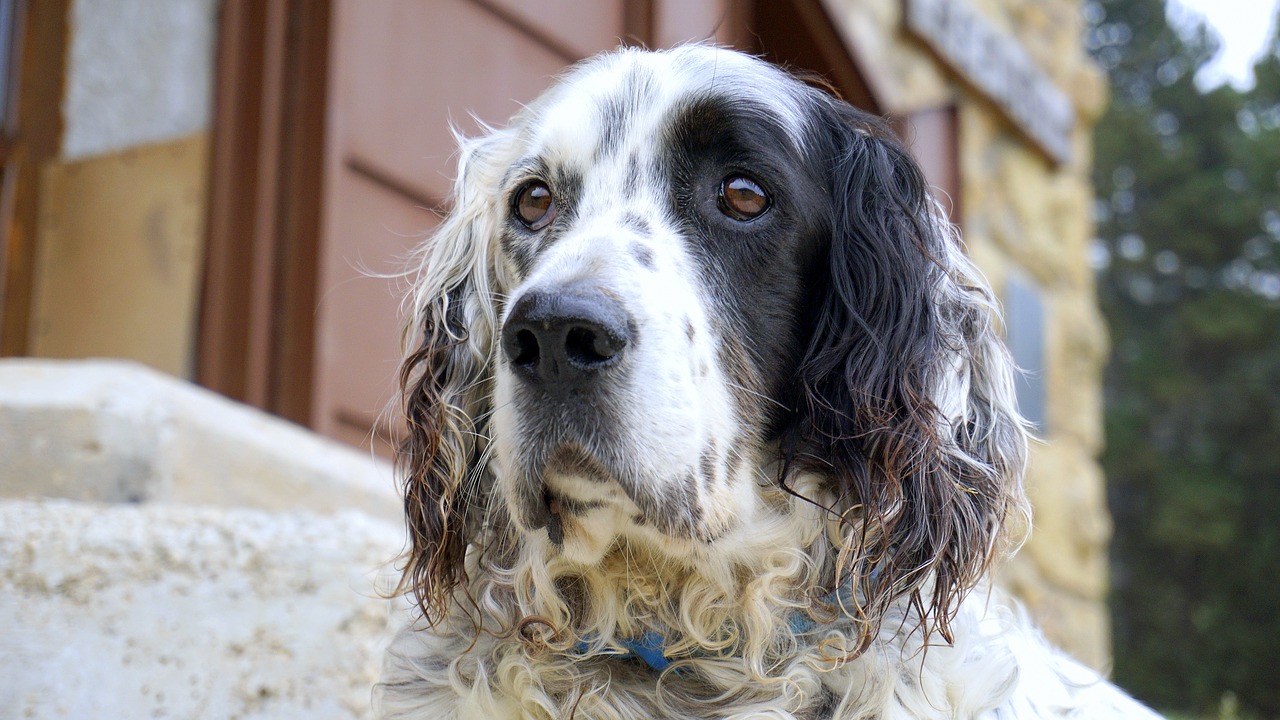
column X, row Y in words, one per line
column 657, row 231
column 673, row 283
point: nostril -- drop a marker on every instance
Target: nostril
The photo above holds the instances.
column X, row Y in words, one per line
column 588, row 347
column 525, row 351
column 561, row 339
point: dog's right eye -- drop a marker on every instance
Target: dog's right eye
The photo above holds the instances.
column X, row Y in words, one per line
column 742, row 198
column 533, row 205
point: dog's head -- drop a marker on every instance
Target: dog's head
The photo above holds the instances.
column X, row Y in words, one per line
column 676, row 283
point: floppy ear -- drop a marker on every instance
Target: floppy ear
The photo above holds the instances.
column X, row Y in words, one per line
column 445, row 382
column 906, row 391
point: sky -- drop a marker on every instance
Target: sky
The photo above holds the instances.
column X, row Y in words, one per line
column 1244, row 27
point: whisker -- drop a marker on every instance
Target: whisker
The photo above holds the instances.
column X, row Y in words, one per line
column 758, row 394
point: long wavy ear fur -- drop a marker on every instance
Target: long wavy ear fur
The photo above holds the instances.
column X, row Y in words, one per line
column 444, row 383
column 905, row 390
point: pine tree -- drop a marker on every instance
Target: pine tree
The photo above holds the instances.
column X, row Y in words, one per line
column 1189, row 279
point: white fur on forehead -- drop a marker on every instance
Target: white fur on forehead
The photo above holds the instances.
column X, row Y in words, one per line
column 557, row 120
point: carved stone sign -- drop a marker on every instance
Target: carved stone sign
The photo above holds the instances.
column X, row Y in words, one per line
column 999, row 67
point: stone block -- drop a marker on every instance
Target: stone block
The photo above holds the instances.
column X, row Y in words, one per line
column 115, row 431
column 136, row 611
column 1079, row 625
column 1071, row 525
column 1079, row 345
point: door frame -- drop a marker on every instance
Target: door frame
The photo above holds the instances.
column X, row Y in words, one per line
column 30, row 136
column 257, row 330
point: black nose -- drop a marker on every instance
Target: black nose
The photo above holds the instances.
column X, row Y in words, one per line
column 565, row 337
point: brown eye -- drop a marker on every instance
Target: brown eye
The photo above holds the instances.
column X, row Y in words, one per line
column 533, row 205
column 741, row 198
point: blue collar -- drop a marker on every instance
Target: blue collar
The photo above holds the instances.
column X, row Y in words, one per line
column 650, row 647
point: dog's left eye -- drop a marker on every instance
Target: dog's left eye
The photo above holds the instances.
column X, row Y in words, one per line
column 533, row 205
column 742, row 198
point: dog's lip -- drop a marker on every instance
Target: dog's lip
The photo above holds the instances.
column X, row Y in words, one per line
column 554, row 520
column 560, row 485
column 552, row 509
column 542, row 502
column 546, row 511
column 537, row 511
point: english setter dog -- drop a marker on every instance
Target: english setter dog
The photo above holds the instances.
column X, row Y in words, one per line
column 708, row 418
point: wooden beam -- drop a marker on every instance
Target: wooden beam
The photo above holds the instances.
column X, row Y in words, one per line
column 257, row 327
column 801, row 35
column 34, row 135
column 300, row 191
column 224, row 339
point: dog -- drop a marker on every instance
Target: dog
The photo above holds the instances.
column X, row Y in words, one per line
column 708, row 418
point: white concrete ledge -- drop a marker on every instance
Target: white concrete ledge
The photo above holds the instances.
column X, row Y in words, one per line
column 132, row 611
column 114, row 431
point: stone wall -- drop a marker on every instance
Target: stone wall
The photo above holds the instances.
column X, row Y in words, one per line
column 1026, row 219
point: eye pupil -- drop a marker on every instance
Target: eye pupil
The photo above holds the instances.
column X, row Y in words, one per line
column 534, row 206
column 742, row 198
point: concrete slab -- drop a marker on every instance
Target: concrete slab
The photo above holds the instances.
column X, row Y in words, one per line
column 133, row 611
column 116, row 431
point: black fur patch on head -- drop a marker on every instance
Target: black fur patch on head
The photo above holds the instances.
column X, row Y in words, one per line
column 756, row 269
column 643, row 255
column 634, row 91
column 638, row 223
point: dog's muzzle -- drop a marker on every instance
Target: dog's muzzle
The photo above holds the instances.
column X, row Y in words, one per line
column 566, row 347
column 565, row 339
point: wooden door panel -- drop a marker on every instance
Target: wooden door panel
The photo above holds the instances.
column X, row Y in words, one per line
column 411, row 67
column 358, row 310
column 575, row 28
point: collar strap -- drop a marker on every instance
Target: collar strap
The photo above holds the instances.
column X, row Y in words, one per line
column 650, row 647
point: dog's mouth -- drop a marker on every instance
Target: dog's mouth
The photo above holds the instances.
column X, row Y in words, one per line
column 570, row 486
column 584, row 495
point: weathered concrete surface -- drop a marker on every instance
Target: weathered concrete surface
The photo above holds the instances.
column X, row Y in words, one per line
column 165, row 552
column 114, row 431
column 126, row 611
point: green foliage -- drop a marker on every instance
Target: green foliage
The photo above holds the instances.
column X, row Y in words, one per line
column 1189, row 254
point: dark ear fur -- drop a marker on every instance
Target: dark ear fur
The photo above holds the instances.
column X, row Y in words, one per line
column 905, row 391
column 445, row 386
